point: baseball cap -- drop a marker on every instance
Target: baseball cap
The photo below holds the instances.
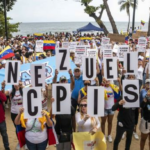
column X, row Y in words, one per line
column 147, row 81
column 62, row 78
column 3, row 62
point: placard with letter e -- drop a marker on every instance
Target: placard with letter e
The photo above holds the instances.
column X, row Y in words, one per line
column 32, row 103
column 62, row 59
column 62, row 99
column 38, row 75
column 131, row 63
column 12, row 72
column 95, row 101
column 110, row 68
column 89, row 68
column 131, row 93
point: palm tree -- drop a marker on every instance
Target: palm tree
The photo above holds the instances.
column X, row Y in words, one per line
column 148, row 33
column 125, row 5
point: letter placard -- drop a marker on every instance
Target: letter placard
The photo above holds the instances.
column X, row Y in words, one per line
column 131, row 63
column 110, row 68
column 12, row 72
column 131, row 93
column 61, row 94
column 32, row 103
column 38, row 75
column 89, row 68
column 95, row 100
column 62, row 59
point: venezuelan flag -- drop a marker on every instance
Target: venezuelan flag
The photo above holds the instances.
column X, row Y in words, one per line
column 85, row 38
column 38, row 35
column 126, row 39
column 6, row 53
column 142, row 22
column 49, row 45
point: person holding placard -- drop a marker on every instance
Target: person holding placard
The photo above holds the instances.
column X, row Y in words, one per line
column 16, row 101
column 36, row 135
column 84, row 122
column 110, row 91
column 145, row 121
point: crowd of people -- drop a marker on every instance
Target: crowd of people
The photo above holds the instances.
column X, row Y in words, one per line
column 78, row 120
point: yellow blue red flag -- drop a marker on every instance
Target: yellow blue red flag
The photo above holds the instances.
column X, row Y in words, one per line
column 6, row 53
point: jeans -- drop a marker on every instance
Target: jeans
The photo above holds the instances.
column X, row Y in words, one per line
column 3, row 131
column 120, row 131
column 40, row 146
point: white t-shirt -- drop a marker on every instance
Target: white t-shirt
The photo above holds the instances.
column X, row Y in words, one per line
column 36, row 135
column 85, row 126
column 140, row 73
column 16, row 102
column 110, row 94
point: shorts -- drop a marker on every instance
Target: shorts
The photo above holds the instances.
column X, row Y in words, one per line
column 142, row 126
column 108, row 112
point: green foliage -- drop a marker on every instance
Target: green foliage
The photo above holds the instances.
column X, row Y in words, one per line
column 9, row 4
column 91, row 9
column 86, row 2
column 11, row 27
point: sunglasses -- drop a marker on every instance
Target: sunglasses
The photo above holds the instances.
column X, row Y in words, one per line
column 63, row 81
column 83, row 105
column 87, row 84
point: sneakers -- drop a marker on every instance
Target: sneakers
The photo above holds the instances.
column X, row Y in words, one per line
column 18, row 147
column 26, row 148
column 6, row 106
column 110, row 138
column 123, row 136
column 135, row 136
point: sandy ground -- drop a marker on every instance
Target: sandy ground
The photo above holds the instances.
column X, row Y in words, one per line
column 13, row 140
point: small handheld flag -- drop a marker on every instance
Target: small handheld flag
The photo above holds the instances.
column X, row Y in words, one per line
column 142, row 22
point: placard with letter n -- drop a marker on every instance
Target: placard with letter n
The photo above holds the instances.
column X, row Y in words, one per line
column 62, row 99
column 131, row 93
column 12, row 72
column 62, row 59
column 89, row 68
column 95, row 101
column 32, row 103
column 110, row 68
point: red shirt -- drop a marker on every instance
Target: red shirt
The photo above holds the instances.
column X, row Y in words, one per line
column 2, row 112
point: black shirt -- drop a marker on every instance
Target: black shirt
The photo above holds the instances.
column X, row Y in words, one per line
column 146, row 110
column 126, row 115
column 64, row 122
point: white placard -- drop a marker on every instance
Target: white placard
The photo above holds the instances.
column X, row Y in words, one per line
column 131, row 63
column 65, row 44
column 62, row 94
column 142, row 41
column 122, row 49
column 32, row 103
column 80, row 52
column 95, row 101
column 12, row 72
column 105, row 40
column 107, row 53
column 110, row 68
column 89, row 68
column 39, row 46
column 141, row 48
column 38, row 75
column 73, row 44
column 131, row 93
column 62, row 59
column 107, row 46
column 115, row 48
column 92, row 52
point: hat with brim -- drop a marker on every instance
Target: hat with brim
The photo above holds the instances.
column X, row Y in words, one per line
column 77, row 68
column 62, row 78
column 147, row 81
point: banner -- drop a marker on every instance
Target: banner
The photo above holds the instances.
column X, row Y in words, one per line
column 80, row 52
column 86, row 141
column 25, row 74
column 122, row 49
column 116, row 37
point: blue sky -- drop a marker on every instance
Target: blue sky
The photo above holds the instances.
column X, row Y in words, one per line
column 69, row 10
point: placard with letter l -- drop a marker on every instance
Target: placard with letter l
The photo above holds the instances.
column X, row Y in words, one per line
column 12, row 72
column 89, row 68
column 62, row 59
column 38, row 75
column 32, row 103
column 62, row 99
column 95, row 101
column 131, row 63
column 110, row 68
column 131, row 93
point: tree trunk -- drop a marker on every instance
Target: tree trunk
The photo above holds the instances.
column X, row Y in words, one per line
column 100, row 23
column 111, row 19
column 148, row 33
column 128, row 22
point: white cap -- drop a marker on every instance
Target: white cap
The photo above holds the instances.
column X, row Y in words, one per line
column 147, row 81
column 3, row 62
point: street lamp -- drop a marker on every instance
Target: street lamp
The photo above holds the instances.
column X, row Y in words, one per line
column 5, row 16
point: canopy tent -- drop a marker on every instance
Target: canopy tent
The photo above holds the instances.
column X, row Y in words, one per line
column 89, row 27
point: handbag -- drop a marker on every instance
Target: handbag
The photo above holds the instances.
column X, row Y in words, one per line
column 64, row 136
